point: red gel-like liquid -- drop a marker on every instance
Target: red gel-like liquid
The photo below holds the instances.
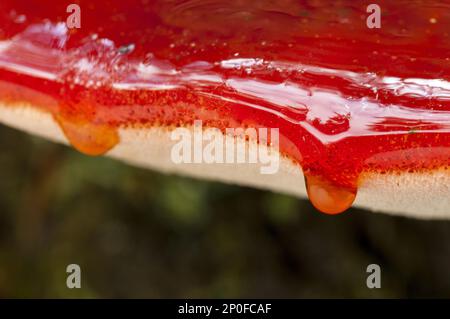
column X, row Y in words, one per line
column 346, row 99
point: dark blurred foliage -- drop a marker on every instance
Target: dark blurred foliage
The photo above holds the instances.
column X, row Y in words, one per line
column 137, row 233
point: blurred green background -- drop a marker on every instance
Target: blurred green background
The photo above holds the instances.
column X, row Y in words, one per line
column 137, row 233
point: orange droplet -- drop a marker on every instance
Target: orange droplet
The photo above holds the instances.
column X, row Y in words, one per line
column 326, row 197
column 89, row 138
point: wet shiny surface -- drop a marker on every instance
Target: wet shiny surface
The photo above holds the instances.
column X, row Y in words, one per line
column 346, row 98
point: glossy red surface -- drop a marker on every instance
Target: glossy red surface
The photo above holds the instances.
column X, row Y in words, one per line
column 347, row 99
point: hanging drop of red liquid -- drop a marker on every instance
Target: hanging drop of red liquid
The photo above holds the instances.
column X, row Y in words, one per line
column 326, row 197
column 89, row 138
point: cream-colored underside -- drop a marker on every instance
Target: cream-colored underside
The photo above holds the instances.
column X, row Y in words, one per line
column 422, row 195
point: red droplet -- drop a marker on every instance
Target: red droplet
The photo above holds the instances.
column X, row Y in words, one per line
column 88, row 138
column 328, row 198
